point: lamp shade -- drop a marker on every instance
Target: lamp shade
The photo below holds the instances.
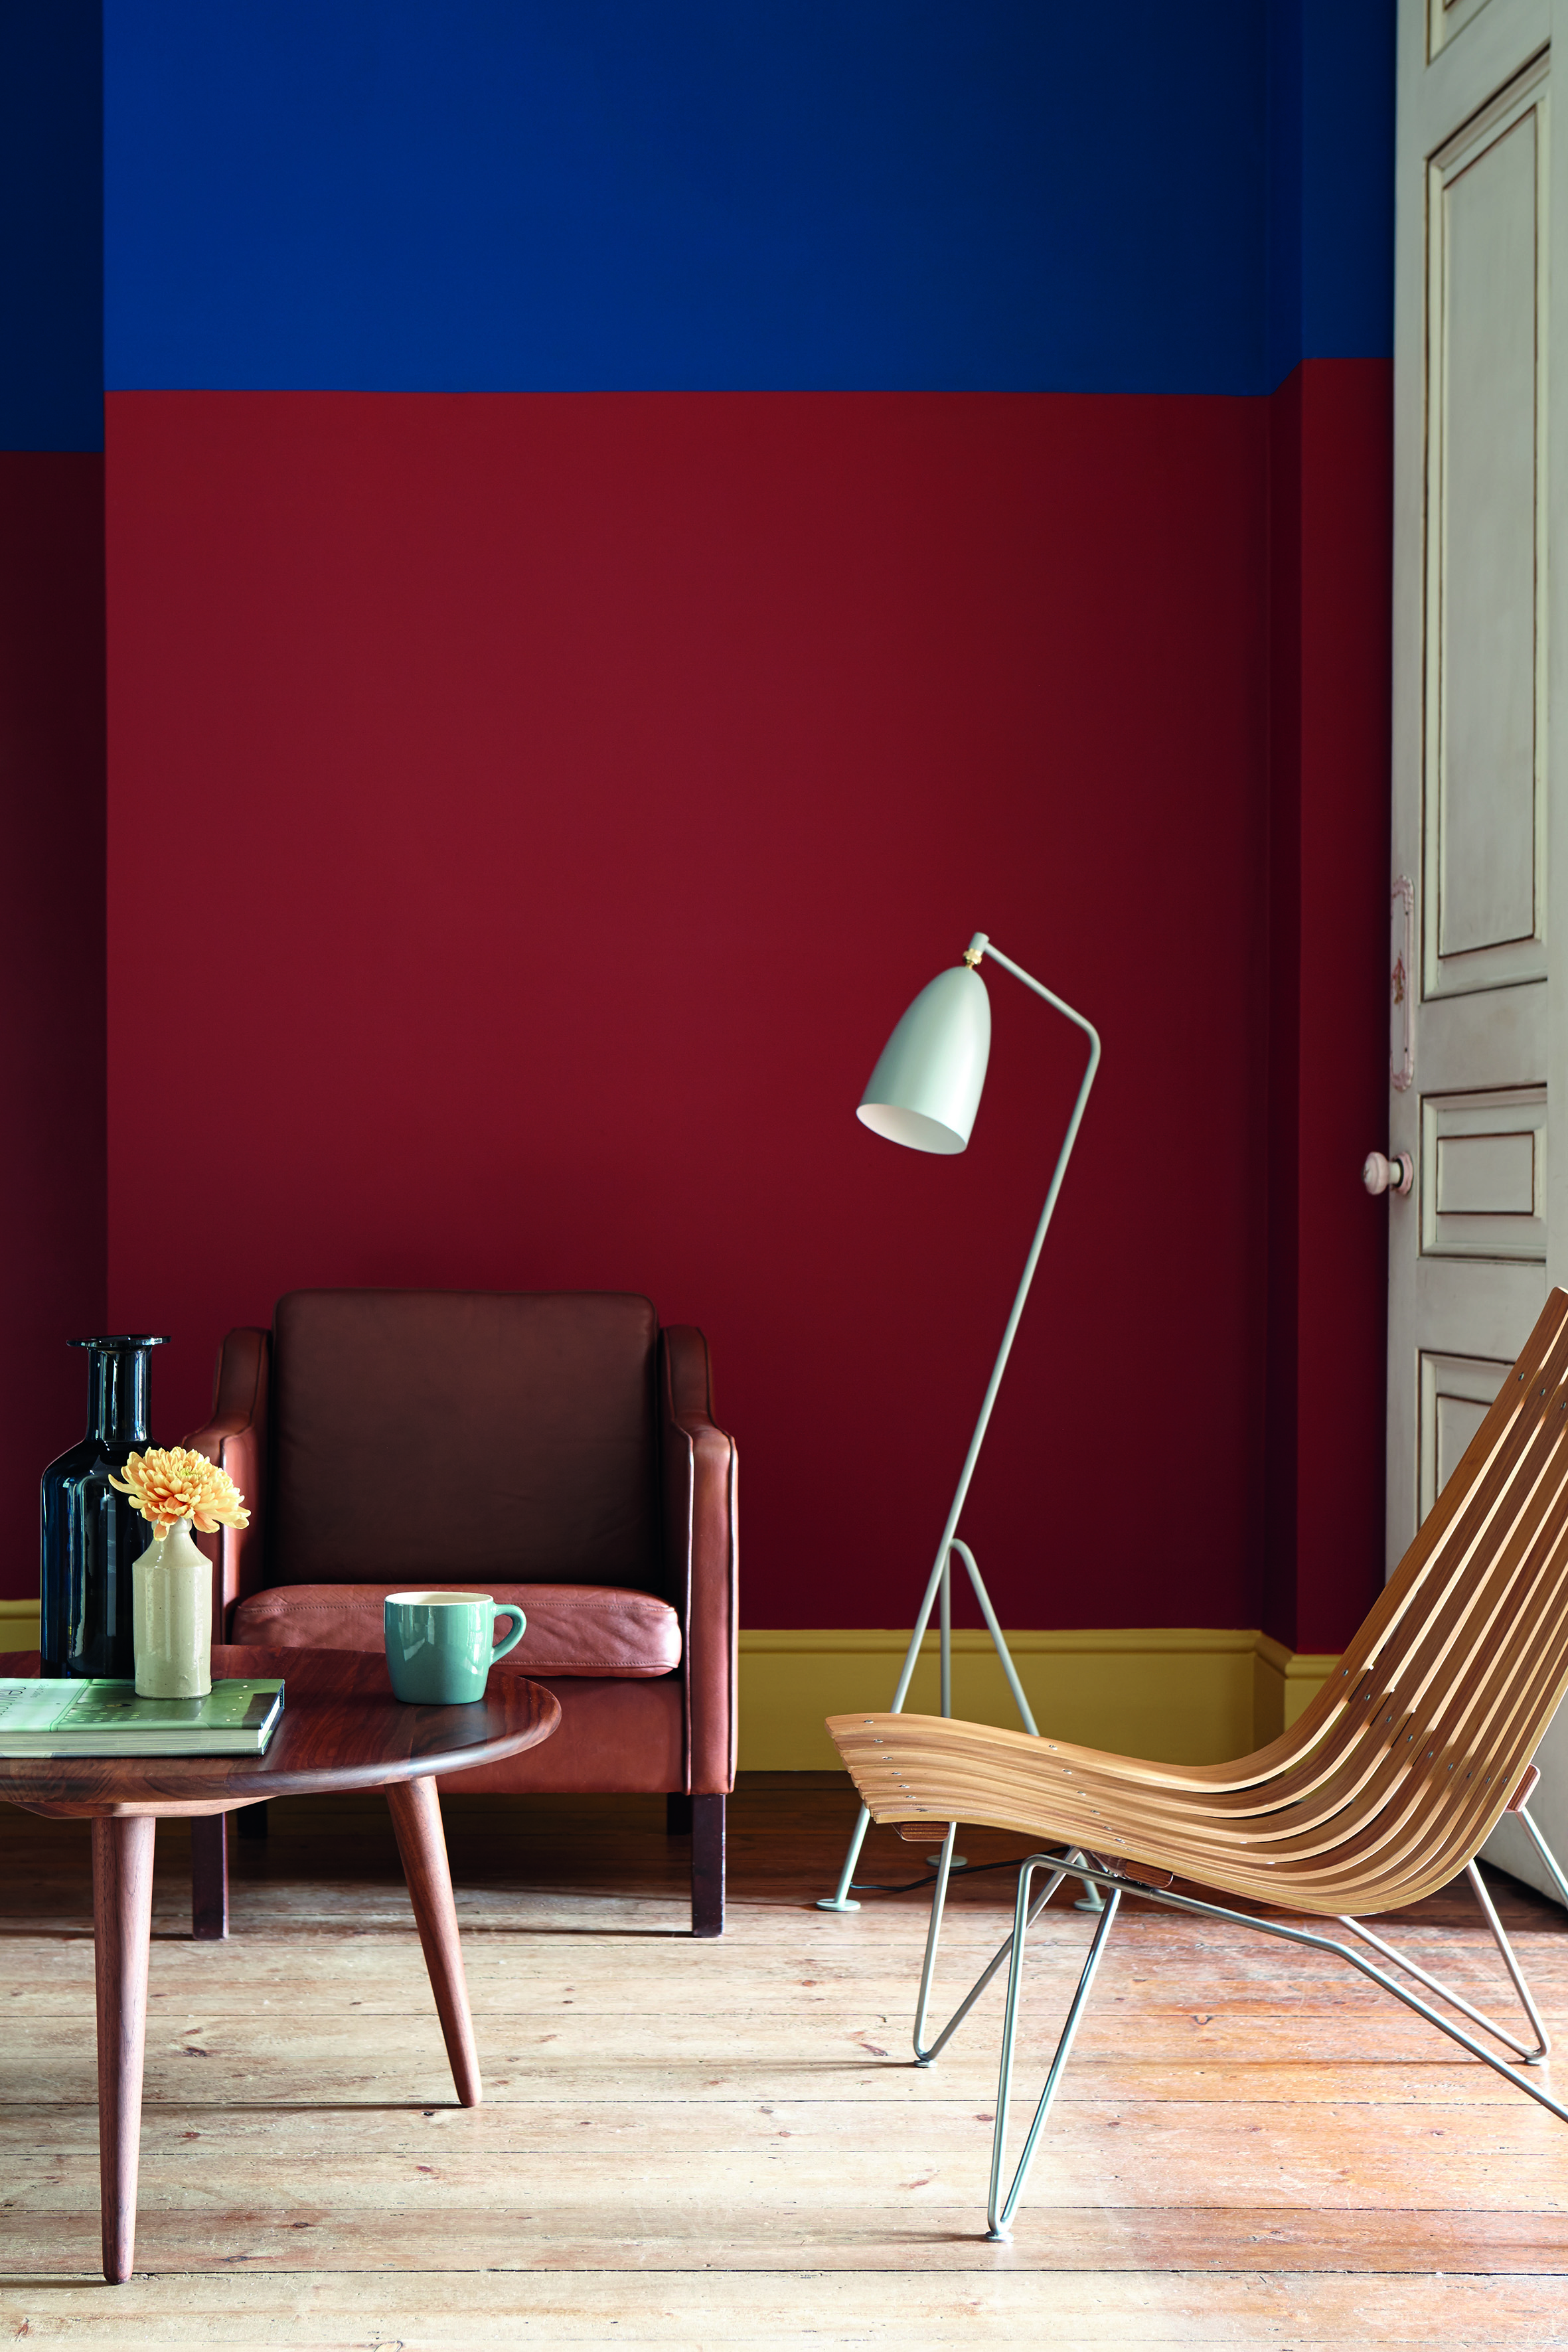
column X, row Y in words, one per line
column 925, row 1090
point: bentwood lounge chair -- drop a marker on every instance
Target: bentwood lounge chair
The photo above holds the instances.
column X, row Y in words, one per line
column 554, row 1448
column 1385, row 1788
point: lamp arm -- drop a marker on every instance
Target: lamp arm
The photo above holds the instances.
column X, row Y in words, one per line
column 981, row 946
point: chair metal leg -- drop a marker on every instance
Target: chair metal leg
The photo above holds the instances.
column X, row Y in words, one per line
column 924, row 2056
column 999, row 2211
column 1169, row 1901
column 209, row 1877
column 1526, row 1999
column 1115, row 1884
column 1072, row 1862
column 933, row 1934
column 1531, row 2052
column 707, row 1865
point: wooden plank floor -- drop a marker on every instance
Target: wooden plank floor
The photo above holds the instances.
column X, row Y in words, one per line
column 725, row 2145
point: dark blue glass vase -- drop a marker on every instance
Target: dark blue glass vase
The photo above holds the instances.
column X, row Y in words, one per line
column 91, row 1534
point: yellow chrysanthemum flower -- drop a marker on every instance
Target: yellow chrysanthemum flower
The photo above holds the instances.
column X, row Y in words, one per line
column 170, row 1483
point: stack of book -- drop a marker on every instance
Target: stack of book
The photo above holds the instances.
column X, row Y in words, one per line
column 106, row 1718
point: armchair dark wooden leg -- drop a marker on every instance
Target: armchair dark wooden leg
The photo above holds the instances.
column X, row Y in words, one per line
column 707, row 1865
column 209, row 1877
column 677, row 1816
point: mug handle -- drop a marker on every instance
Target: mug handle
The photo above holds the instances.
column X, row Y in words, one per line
column 519, row 1628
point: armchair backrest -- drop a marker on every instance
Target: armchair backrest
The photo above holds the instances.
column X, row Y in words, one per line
column 465, row 1435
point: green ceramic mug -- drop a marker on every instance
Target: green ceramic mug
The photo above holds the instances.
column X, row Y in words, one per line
column 440, row 1646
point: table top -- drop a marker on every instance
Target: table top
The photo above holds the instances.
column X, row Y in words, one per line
column 340, row 1728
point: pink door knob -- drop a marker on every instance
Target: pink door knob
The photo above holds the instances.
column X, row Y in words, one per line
column 1380, row 1173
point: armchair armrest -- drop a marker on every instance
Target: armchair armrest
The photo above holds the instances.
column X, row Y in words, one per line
column 235, row 1439
column 698, row 1467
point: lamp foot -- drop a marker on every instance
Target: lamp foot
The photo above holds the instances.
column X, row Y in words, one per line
column 833, row 1903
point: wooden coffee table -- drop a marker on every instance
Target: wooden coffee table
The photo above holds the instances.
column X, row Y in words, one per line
column 340, row 1728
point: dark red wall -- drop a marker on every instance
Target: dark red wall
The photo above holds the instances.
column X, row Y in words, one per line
column 1329, row 598
column 52, row 1171
column 528, row 815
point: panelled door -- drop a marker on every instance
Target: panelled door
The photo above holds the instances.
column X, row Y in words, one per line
column 1478, row 924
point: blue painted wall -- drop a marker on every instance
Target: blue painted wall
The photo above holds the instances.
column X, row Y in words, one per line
column 51, row 225
column 1329, row 116
column 788, row 195
column 598, row 194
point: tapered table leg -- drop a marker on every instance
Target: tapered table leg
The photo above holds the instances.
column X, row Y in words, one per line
column 122, row 1918
column 416, row 1818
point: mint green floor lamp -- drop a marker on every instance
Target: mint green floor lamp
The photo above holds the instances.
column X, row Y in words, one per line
column 924, row 1092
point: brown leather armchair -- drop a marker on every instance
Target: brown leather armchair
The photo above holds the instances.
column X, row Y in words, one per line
column 554, row 1448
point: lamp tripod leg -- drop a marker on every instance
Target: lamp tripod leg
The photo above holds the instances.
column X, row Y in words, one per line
column 1090, row 1899
column 944, row 1858
column 998, row 1639
column 840, row 1899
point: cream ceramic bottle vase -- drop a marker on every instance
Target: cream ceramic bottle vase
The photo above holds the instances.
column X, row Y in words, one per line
column 172, row 1599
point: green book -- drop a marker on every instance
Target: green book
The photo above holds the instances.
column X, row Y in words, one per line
column 97, row 1718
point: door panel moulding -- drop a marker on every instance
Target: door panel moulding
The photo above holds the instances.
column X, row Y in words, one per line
column 1454, row 1391
column 1483, row 1174
column 1485, row 789
column 1446, row 18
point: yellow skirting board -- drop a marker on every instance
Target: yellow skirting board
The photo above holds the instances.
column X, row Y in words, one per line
column 1183, row 1694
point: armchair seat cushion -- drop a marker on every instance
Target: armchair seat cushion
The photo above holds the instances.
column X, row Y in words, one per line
column 599, row 1630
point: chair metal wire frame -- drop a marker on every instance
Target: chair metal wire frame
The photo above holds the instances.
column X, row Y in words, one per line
column 1073, row 1862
